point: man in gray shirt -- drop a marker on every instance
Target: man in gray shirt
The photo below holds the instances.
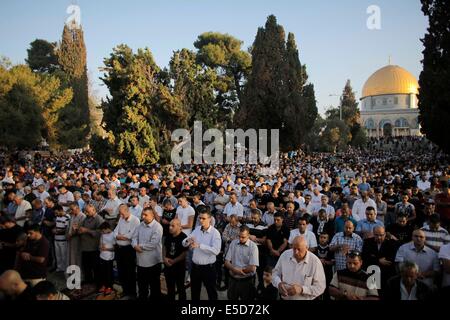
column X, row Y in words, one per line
column 89, row 238
column 425, row 257
column 147, row 242
column 242, row 260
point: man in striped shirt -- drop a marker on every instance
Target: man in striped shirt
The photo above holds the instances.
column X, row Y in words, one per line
column 351, row 282
column 436, row 236
column 62, row 222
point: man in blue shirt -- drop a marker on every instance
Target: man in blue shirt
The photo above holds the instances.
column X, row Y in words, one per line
column 365, row 227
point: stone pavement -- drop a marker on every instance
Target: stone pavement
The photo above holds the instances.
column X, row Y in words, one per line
column 60, row 282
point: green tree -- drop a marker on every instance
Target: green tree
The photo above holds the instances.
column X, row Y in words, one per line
column 20, row 118
column 349, row 105
column 277, row 95
column 335, row 136
column 309, row 106
column 350, row 115
column 223, row 53
column 265, row 95
column 302, row 109
column 194, row 86
column 75, row 118
column 42, row 56
column 298, row 76
column 434, row 96
column 30, row 106
column 130, row 114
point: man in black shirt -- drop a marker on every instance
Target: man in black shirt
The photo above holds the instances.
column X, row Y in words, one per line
column 391, row 199
column 258, row 235
column 401, row 230
column 48, row 223
column 9, row 231
column 152, row 191
column 381, row 252
column 32, row 262
column 261, row 199
column 168, row 215
column 175, row 260
column 277, row 237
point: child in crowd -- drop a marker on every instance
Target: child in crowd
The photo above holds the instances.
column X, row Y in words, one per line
column 327, row 258
column 107, row 243
column 266, row 291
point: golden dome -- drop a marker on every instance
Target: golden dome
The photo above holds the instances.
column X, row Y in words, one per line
column 390, row 80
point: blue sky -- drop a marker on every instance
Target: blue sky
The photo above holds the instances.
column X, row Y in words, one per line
column 332, row 36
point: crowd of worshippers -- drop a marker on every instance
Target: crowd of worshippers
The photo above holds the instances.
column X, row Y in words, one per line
column 311, row 231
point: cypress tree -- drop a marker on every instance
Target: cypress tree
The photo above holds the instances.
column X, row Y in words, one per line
column 277, row 95
column 302, row 110
column 266, row 94
column 434, row 82
column 72, row 60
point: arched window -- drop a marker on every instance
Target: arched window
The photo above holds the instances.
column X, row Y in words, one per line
column 384, row 122
column 401, row 123
column 370, row 124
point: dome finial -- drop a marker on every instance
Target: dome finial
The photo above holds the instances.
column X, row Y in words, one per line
column 390, row 60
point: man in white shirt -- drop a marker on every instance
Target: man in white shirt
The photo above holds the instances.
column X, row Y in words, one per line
column 244, row 199
column 9, row 178
column 206, row 242
column 112, row 207
column 115, row 182
column 307, row 206
column 316, row 198
column 303, row 231
column 360, row 206
column 126, row 255
column 147, row 242
column 268, row 216
column 22, row 207
column 135, row 208
column 233, row 208
column 65, row 197
column 185, row 213
column 238, row 185
column 40, row 193
column 143, row 197
column 37, row 181
column 298, row 197
column 299, row 274
column 209, row 197
column 156, row 207
column 221, row 200
column 423, row 184
column 324, row 205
